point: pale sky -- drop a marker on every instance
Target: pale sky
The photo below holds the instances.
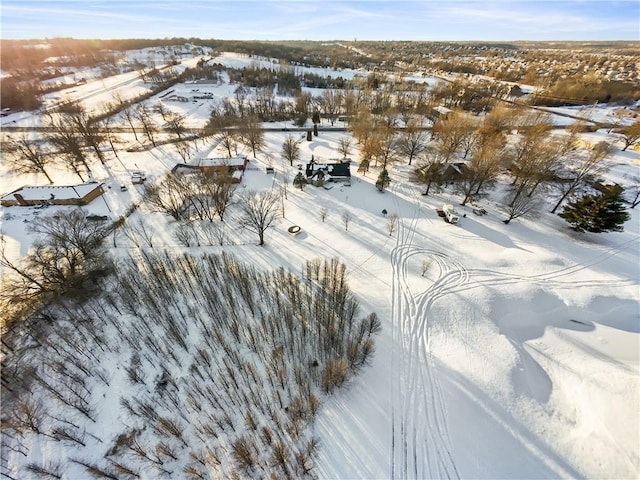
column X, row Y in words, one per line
column 323, row 19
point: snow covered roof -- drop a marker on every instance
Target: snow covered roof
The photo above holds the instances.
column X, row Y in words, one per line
column 53, row 191
column 333, row 169
column 238, row 161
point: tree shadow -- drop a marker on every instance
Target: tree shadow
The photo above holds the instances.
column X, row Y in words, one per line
column 521, row 320
column 495, row 438
column 489, row 234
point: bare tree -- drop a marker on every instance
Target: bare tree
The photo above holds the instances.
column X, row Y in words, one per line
column 71, row 229
column 501, row 118
column 584, row 169
column 214, row 233
column 290, row 150
column 143, row 115
column 183, row 149
column 344, row 147
column 527, row 156
column 107, row 125
column 260, row 211
column 211, row 193
column 426, row 264
column 21, row 286
column 27, row 415
column 384, row 147
column 482, row 169
column 241, row 93
column 518, row 204
column 87, row 128
column 63, row 136
column 430, row 170
column 228, row 140
column 346, row 219
column 447, row 137
column 413, row 140
column 139, row 229
column 27, row 156
column 362, row 125
column 126, row 111
column 630, row 134
column 184, row 234
column 330, row 102
column 633, row 190
column 170, row 196
column 392, row 223
column 46, row 471
column 251, row 134
column 175, row 126
column 66, row 256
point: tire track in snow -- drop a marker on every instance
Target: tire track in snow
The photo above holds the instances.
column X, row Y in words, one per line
column 419, row 388
column 420, row 437
column 420, row 446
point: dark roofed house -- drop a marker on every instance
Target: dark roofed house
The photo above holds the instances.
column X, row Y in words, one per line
column 454, row 172
column 328, row 172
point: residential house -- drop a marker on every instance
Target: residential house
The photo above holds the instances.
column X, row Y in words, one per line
column 234, row 166
column 319, row 173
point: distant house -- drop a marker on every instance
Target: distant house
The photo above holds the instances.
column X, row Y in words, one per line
column 234, row 166
column 328, row 172
column 454, row 172
column 441, row 112
column 53, row 195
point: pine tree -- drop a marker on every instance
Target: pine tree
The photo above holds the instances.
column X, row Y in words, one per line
column 597, row 213
column 299, row 181
column 383, row 180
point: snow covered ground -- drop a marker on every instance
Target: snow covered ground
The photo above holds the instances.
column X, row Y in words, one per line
column 514, row 355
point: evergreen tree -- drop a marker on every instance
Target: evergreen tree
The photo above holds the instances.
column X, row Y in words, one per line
column 597, row 213
column 299, row 181
column 383, row 180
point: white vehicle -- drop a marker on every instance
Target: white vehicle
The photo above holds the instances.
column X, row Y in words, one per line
column 450, row 213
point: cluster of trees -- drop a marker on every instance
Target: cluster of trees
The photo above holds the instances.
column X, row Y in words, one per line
column 536, row 160
column 67, row 258
column 381, row 144
column 587, row 89
column 283, row 76
column 214, row 379
column 196, row 196
column 263, row 104
column 196, row 200
column 313, row 80
column 72, row 138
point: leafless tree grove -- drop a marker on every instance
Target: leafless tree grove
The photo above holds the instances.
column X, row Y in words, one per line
column 218, row 381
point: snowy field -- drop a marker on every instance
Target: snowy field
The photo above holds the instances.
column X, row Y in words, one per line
column 515, row 354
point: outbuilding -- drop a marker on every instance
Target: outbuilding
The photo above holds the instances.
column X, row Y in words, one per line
column 29, row 196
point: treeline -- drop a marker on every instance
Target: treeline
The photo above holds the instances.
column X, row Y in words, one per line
column 260, row 77
column 586, row 89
